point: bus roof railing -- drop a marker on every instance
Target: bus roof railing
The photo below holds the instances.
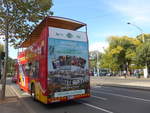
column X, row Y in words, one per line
column 52, row 21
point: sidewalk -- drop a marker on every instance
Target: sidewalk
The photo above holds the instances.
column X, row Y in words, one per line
column 11, row 104
column 9, row 91
column 129, row 82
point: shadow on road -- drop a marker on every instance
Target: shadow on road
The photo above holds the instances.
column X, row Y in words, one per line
column 57, row 105
column 61, row 104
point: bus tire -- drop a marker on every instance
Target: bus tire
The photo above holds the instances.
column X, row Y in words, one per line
column 33, row 94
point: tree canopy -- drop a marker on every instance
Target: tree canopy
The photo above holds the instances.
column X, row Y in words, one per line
column 143, row 37
column 143, row 54
column 22, row 16
column 120, row 54
column 94, row 59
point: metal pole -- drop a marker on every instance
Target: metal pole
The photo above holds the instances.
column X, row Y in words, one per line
column 142, row 33
column 97, row 63
column 143, row 39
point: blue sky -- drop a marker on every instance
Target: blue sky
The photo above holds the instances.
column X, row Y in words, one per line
column 105, row 18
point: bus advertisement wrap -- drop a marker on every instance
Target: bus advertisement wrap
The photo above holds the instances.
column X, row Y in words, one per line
column 67, row 63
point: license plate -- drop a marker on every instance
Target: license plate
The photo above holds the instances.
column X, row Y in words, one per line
column 70, row 97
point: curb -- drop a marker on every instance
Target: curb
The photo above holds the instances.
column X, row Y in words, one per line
column 26, row 108
column 126, row 86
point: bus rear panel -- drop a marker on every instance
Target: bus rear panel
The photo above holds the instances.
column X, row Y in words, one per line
column 68, row 76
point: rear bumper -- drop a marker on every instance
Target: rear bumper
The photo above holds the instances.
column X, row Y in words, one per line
column 63, row 99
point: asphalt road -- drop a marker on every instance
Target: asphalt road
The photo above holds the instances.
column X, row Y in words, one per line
column 129, row 81
column 103, row 100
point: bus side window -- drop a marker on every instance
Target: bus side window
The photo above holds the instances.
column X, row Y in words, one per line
column 28, row 68
column 35, row 69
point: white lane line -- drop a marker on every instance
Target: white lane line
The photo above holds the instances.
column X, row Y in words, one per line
column 102, row 90
column 25, row 94
column 97, row 86
column 95, row 107
column 135, row 98
column 101, row 98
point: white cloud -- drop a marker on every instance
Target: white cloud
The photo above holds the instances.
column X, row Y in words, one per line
column 99, row 46
column 136, row 10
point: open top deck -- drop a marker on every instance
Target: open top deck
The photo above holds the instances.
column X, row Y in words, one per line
column 52, row 21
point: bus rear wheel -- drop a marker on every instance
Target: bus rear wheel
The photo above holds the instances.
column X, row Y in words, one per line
column 33, row 94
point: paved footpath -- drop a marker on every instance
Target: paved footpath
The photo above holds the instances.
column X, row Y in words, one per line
column 11, row 104
column 129, row 82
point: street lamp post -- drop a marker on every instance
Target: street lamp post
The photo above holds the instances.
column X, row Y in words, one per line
column 97, row 64
column 96, row 70
column 143, row 39
column 142, row 33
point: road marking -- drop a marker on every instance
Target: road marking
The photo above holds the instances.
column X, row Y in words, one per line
column 98, row 97
column 97, row 86
column 102, row 90
column 25, row 94
column 135, row 98
column 95, row 107
column 126, row 89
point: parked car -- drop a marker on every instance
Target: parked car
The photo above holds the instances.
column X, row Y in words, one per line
column 14, row 79
column 110, row 74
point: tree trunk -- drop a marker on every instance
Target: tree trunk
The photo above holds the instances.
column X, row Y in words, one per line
column 0, row 69
column 6, row 54
column 5, row 66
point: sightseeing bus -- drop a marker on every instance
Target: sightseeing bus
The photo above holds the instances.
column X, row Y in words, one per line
column 53, row 65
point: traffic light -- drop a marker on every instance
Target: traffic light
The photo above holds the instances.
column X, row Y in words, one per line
column 2, row 55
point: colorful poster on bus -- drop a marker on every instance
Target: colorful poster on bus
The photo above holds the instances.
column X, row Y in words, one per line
column 67, row 63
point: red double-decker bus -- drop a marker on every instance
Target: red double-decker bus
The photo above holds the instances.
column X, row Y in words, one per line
column 54, row 67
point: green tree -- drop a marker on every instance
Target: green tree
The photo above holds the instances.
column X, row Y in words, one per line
column 21, row 17
column 1, row 50
column 107, row 61
column 143, row 37
column 143, row 54
column 94, row 57
column 17, row 19
column 1, row 47
column 11, row 67
column 121, row 53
